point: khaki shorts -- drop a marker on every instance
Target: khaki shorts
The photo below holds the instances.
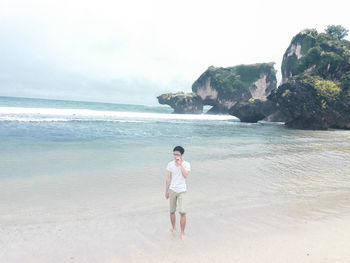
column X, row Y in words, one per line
column 179, row 198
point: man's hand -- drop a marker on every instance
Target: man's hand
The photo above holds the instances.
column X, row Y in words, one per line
column 178, row 162
column 166, row 195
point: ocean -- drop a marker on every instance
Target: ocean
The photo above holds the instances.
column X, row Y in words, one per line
column 85, row 182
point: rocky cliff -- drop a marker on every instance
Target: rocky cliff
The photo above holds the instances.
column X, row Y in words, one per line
column 315, row 93
column 222, row 88
column 299, row 46
column 315, row 89
column 255, row 110
column 182, row 102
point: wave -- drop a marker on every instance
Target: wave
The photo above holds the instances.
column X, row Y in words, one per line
column 56, row 114
column 29, row 119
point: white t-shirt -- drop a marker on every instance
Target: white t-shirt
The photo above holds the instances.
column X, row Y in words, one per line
column 178, row 182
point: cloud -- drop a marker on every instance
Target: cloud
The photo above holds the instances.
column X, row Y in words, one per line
column 132, row 51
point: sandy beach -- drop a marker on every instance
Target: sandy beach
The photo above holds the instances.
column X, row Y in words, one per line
column 210, row 238
column 77, row 220
column 102, row 229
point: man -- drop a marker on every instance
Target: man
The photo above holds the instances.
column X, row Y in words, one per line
column 176, row 189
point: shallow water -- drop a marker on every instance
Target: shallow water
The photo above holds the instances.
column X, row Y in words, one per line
column 68, row 167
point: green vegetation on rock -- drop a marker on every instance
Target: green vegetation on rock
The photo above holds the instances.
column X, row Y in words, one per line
column 285, row 93
column 308, row 42
column 316, row 80
column 336, row 32
column 180, row 95
column 233, row 79
column 321, row 55
column 327, row 89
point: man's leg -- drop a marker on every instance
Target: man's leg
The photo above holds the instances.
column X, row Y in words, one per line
column 183, row 224
column 172, row 219
column 172, row 203
column 182, row 211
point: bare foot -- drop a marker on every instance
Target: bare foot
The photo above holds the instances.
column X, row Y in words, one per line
column 173, row 230
column 183, row 237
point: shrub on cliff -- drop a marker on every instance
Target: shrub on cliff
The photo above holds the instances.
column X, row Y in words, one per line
column 337, row 32
column 233, row 79
column 316, row 80
column 313, row 103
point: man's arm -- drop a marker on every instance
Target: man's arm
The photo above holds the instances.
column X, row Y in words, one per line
column 184, row 172
column 168, row 179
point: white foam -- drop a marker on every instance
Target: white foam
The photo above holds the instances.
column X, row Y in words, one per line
column 28, row 119
column 75, row 114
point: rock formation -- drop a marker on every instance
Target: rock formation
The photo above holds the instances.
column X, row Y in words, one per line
column 315, row 93
column 182, row 102
column 315, row 89
column 255, row 110
column 222, row 88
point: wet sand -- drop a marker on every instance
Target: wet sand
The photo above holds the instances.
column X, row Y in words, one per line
column 280, row 206
column 245, row 236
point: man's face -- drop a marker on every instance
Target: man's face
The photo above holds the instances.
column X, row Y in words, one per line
column 177, row 155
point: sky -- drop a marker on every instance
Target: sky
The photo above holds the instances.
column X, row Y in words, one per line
column 132, row 51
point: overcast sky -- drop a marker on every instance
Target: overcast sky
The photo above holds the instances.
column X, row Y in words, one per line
column 131, row 51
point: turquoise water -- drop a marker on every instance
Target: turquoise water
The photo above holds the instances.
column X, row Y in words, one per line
column 66, row 145
column 43, row 137
column 45, row 142
column 66, row 104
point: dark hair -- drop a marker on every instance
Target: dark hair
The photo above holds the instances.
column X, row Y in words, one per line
column 179, row 149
